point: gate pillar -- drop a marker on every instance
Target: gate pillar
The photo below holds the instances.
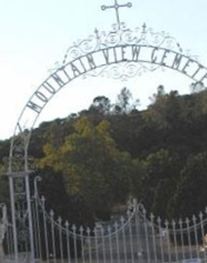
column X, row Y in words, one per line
column 21, row 213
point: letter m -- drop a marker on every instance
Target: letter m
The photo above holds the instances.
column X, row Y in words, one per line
column 33, row 106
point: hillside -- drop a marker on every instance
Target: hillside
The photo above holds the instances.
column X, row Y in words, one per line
column 97, row 159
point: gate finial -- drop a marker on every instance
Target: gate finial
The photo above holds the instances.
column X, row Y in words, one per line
column 116, row 6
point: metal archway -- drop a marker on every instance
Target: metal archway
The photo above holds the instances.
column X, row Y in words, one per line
column 131, row 55
column 120, row 53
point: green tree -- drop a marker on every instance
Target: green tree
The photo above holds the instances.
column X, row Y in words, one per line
column 165, row 108
column 101, row 104
column 125, row 102
column 191, row 195
column 161, row 176
column 93, row 168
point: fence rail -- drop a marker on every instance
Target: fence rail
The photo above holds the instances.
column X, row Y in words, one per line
column 135, row 237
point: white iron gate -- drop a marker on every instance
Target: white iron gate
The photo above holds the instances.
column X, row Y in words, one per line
column 135, row 237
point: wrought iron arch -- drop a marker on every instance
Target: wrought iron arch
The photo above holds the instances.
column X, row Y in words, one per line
column 121, row 53
column 100, row 62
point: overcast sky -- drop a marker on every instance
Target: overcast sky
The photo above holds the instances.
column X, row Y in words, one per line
column 36, row 34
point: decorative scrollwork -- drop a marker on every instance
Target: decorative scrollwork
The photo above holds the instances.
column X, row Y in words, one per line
column 123, row 71
column 120, row 35
column 81, row 48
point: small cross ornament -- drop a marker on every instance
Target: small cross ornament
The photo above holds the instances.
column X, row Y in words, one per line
column 116, row 7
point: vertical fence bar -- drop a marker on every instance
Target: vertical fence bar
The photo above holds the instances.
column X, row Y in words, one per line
column 88, row 231
column 203, row 235
column 117, row 241
column 124, row 239
column 74, row 229
column 175, row 239
column 13, row 213
column 36, row 199
column 35, row 229
column 181, row 237
column 161, row 236
column 82, row 244
column 60, row 238
column 187, row 221
column 146, row 234
column 12, row 246
column 53, row 236
column 130, row 236
column 96, row 244
column 8, row 239
column 31, row 231
column 103, row 244
column 138, row 232
column 110, row 243
column 45, row 229
column 195, row 235
column 38, row 228
column 12, row 241
column 168, row 241
column 152, row 217
column 68, row 241
column 26, row 245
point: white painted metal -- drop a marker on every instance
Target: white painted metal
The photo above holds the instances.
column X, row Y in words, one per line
column 136, row 237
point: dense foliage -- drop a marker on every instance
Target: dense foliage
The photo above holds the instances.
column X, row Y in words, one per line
column 93, row 161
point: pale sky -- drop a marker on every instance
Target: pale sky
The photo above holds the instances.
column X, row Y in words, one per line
column 36, row 34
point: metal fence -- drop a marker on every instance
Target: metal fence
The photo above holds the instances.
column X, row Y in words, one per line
column 135, row 237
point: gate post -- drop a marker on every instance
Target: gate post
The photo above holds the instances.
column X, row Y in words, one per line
column 21, row 213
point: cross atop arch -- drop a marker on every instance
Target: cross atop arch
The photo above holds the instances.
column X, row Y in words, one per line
column 116, row 6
